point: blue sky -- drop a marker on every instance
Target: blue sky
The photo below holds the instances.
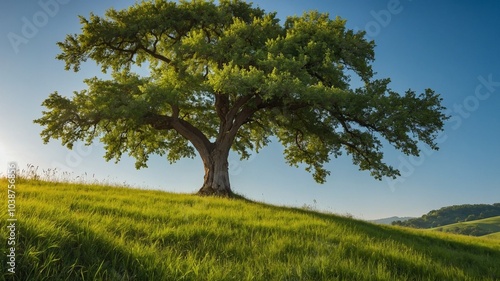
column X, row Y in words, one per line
column 449, row 46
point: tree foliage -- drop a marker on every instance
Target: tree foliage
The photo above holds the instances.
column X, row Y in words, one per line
column 229, row 75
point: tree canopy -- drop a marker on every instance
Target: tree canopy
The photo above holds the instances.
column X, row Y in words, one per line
column 228, row 75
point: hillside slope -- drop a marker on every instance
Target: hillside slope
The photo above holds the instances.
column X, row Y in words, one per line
column 90, row 232
column 453, row 214
column 495, row 235
column 474, row 228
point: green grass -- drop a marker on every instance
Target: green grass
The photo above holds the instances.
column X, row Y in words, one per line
column 495, row 235
column 476, row 227
column 95, row 232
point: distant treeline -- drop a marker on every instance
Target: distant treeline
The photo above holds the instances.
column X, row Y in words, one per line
column 452, row 214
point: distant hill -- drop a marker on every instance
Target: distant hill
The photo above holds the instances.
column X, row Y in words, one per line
column 474, row 228
column 452, row 214
column 390, row 220
column 495, row 235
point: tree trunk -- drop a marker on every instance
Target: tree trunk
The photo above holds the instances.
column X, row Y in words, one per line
column 216, row 181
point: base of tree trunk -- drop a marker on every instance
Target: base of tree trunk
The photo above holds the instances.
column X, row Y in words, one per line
column 209, row 191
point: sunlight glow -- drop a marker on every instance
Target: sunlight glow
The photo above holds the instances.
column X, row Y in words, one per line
column 4, row 155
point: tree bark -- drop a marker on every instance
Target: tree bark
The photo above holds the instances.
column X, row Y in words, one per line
column 216, row 180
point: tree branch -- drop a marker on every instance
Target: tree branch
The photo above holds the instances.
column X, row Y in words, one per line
column 240, row 102
column 154, row 54
column 158, row 122
column 222, row 106
column 183, row 127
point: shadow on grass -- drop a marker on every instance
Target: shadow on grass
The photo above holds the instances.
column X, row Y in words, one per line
column 80, row 255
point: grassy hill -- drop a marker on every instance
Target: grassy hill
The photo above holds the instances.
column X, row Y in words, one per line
column 453, row 214
column 474, row 228
column 93, row 232
column 495, row 235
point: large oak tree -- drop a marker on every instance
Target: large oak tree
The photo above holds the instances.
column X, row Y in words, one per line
column 230, row 76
